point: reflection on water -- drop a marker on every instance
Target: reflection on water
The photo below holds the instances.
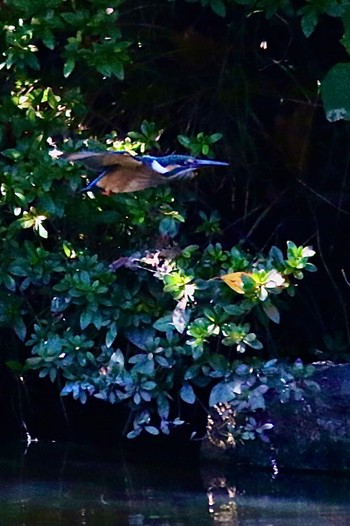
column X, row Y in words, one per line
column 57, row 485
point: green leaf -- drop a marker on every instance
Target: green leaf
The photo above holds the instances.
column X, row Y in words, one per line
column 152, row 430
column 221, row 393
column 309, row 22
column 335, row 92
column 134, row 433
column 105, row 69
column 256, row 401
column 215, row 137
column 32, row 61
column 117, row 358
column 164, row 324
column 168, row 227
column 181, row 317
column 141, row 338
column 242, row 369
column 184, row 140
column 53, row 374
column 111, row 334
column 9, row 282
column 42, row 231
column 238, row 309
column 197, row 350
column 187, row 394
column 310, row 267
column 12, row 153
column 118, row 70
column 218, row 362
column 163, row 406
column 218, row 7
column 82, row 397
column 17, row 367
column 254, row 344
column 49, row 39
column 149, row 385
column 192, row 372
column 205, row 149
column 85, row 319
column 346, row 23
column 68, row 67
column 20, row 328
column 276, row 254
column 271, row 311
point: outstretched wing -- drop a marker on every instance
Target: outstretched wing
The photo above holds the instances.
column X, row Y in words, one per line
column 121, row 172
column 120, row 180
column 100, row 160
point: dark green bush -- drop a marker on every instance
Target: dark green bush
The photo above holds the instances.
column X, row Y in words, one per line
column 109, row 298
column 146, row 299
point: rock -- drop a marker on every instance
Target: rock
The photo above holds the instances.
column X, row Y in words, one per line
column 313, row 434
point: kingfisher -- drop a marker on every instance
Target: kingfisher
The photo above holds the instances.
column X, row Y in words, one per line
column 123, row 172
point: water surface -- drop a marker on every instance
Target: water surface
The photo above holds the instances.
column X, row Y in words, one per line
column 61, row 485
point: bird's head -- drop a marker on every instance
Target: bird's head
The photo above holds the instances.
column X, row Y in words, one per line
column 177, row 166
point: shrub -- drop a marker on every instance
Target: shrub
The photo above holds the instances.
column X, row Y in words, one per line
column 137, row 299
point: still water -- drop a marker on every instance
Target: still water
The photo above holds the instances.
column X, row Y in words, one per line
column 60, row 485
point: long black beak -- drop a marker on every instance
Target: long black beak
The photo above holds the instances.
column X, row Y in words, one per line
column 207, row 162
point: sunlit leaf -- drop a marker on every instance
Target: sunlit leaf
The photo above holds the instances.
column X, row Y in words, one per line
column 68, row 67
column 181, row 316
column 234, row 280
column 111, row 334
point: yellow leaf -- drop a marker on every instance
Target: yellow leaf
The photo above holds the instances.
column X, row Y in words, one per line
column 234, row 280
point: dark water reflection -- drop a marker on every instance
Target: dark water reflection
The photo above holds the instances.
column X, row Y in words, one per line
column 60, row 485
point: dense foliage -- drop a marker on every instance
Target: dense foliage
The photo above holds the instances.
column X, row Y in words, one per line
column 157, row 298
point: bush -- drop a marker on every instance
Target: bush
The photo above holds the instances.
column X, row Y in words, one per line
column 140, row 298
column 111, row 301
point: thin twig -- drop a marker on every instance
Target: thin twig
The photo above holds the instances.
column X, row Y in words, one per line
column 265, row 213
column 332, row 280
column 345, row 277
column 320, row 196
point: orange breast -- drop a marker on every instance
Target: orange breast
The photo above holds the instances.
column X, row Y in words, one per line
column 121, row 181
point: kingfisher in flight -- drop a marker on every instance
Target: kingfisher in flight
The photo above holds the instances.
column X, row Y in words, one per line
column 123, row 172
